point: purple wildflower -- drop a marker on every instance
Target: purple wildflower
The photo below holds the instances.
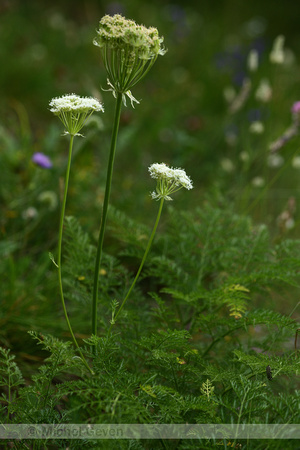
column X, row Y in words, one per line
column 296, row 107
column 41, row 160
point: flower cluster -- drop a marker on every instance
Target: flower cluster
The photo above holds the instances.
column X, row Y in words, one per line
column 296, row 108
column 277, row 53
column 117, row 32
column 169, row 180
column 128, row 50
column 74, row 111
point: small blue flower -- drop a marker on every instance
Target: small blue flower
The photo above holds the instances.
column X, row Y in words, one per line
column 41, row 160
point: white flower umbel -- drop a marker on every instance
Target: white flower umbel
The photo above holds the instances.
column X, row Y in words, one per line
column 257, row 127
column 264, row 91
column 74, row 111
column 169, row 180
column 128, row 51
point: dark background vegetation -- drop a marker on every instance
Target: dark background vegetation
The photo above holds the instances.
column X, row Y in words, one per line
column 46, row 51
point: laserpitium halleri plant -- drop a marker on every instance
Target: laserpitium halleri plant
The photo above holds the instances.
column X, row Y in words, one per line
column 128, row 51
column 73, row 111
column 169, row 180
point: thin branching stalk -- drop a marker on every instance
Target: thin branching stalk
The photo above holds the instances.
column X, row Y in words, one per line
column 60, row 235
column 104, row 210
column 143, row 260
column 270, row 184
column 9, row 397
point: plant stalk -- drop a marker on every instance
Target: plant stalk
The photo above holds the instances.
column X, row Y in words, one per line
column 61, row 225
column 104, row 210
column 143, row 260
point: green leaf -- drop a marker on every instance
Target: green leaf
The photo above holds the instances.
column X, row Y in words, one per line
column 52, row 259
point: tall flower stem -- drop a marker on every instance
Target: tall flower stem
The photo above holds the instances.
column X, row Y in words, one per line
column 104, row 209
column 61, row 225
column 143, row 260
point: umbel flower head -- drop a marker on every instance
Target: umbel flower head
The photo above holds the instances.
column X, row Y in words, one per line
column 169, row 180
column 74, row 111
column 128, row 50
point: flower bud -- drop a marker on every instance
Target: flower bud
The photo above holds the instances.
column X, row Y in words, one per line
column 128, row 51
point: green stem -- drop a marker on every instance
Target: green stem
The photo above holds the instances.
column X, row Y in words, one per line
column 9, row 398
column 143, row 260
column 104, row 210
column 61, row 225
column 270, row 184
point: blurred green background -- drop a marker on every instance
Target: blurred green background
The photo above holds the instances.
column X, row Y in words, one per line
column 46, row 51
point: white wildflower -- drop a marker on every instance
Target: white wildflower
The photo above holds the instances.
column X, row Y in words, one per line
column 30, row 213
column 182, row 179
column 116, row 32
column 257, row 127
column 290, row 223
column 277, row 53
column 169, row 180
column 296, row 162
column 264, row 91
column 160, row 171
column 244, row 156
column 258, row 182
column 227, row 165
column 229, row 93
column 74, row 111
column 128, row 51
column 74, row 103
column 49, row 198
column 252, row 61
column 274, row 161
